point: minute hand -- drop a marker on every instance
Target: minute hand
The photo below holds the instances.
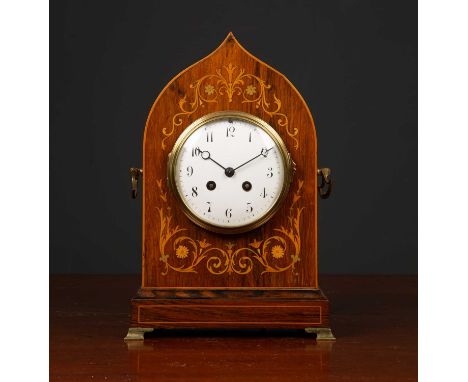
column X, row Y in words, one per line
column 250, row 160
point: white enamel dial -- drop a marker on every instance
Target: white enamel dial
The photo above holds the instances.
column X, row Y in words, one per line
column 230, row 172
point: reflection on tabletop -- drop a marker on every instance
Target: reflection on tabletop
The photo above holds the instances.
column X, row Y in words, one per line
column 230, row 356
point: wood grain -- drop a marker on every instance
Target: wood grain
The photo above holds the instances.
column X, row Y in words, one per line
column 375, row 320
column 183, row 101
column 286, row 308
column 279, row 291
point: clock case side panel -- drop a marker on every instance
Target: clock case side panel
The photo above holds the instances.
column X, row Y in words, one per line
column 146, row 140
column 159, row 206
column 309, row 160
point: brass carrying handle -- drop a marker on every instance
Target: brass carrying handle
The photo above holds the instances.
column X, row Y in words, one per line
column 325, row 185
column 135, row 174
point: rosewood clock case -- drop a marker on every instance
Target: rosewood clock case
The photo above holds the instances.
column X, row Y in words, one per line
column 264, row 278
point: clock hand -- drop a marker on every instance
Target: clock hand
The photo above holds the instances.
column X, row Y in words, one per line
column 206, row 155
column 263, row 152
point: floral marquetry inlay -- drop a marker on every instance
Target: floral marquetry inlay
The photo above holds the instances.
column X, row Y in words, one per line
column 181, row 253
column 230, row 81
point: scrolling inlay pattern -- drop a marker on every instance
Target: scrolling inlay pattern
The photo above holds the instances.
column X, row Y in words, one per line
column 230, row 82
column 266, row 253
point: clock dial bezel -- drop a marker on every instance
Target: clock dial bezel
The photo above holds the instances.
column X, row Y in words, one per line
column 288, row 165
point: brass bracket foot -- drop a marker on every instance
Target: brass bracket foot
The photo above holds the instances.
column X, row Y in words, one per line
column 323, row 334
column 137, row 334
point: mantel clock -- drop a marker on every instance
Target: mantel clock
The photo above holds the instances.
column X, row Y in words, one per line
column 230, row 186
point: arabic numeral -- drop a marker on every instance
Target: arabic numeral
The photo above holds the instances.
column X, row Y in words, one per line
column 249, row 207
column 270, row 172
column 230, row 130
column 189, row 171
column 194, row 191
column 229, row 213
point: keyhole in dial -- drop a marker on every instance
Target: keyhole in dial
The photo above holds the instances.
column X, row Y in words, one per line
column 246, row 186
column 211, row 185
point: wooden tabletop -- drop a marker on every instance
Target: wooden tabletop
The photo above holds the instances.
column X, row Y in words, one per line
column 373, row 317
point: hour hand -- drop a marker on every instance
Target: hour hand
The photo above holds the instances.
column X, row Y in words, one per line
column 228, row 171
column 207, row 156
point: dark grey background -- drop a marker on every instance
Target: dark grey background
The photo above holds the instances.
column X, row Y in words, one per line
column 355, row 63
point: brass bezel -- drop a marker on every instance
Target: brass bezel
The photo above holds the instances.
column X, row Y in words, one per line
column 286, row 158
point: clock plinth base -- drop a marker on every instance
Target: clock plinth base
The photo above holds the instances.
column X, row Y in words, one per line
column 272, row 308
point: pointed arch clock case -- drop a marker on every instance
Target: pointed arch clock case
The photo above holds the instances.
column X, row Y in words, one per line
column 201, row 273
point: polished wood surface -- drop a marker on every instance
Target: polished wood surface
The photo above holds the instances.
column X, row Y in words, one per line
column 374, row 319
column 229, row 78
column 281, row 253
